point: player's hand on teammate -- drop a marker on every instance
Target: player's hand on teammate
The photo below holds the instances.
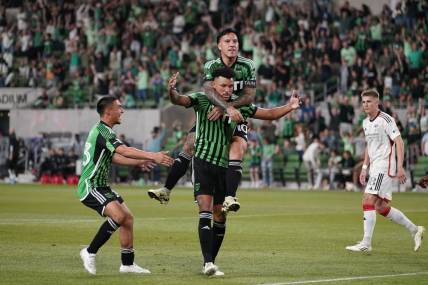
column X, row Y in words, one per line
column 234, row 114
column 295, row 100
column 401, row 175
column 173, row 81
column 163, row 158
column 215, row 113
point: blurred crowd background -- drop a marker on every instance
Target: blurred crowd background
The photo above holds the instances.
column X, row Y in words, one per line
column 330, row 51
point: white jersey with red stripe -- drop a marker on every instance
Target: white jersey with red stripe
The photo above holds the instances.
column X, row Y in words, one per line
column 380, row 133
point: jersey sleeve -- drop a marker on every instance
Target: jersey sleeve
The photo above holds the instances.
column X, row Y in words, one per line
column 251, row 80
column 208, row 71
column 111, row 141
column 194, row 99
column 248, row 111
column 391, row 129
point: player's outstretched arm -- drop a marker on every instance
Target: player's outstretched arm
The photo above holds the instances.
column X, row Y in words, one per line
column 174, row 96
column 125, row 161
column 158, row 157
column 278, row 112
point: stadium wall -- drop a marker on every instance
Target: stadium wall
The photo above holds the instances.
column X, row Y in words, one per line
column 136, row 124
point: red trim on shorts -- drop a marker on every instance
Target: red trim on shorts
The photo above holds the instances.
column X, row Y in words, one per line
column 385, row 211
column 368, row 207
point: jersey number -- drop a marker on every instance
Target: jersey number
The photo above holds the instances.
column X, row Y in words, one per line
column 87, row 157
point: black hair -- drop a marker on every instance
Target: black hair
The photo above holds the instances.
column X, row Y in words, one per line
column 227, row 31
column 225, row 72
column 104, row 103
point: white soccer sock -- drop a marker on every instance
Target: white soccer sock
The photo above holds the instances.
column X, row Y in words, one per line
column 401, row 219
column 369, row 225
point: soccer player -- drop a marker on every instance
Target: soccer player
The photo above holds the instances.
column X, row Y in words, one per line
column 244, row 93
column 384, row 144
column 210, row 162
column 101, row 149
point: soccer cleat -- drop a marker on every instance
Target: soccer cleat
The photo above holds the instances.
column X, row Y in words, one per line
column 217, row 273
column 230, row 204
column 88, row 261
column 161, row 194
column 134, row 268
column 209, row 269
column 418, row 237
column 360, row 246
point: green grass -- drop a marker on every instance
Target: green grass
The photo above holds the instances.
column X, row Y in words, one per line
column 277, row 237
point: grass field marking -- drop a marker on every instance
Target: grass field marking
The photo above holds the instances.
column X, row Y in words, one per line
column 348, row 278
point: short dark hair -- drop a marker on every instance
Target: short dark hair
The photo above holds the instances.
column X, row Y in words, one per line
column 225, row 72
column 104, row 103
column 227, row 31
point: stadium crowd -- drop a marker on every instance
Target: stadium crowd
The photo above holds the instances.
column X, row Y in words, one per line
column 78, row 50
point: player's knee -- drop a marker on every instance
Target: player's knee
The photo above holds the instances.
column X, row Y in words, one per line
column 189, row 149
column 383, row 210
column 189, row 145
column 120, row 218
column 238, row 149
column 218, row 215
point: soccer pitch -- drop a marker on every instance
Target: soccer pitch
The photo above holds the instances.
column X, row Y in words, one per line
column 278, row 237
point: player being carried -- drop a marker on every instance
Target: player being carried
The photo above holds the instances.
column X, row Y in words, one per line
column 244, row 91
column 210, row 161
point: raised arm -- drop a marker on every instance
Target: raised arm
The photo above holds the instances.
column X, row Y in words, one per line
column 174, row 96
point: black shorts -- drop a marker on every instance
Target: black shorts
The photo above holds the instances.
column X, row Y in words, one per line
column 209, row 179
column 99, row 197
column 241, row 130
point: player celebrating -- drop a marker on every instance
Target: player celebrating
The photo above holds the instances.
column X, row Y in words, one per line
column 210, row 161
column 101, row 148
column 244, row 93
column 384, row 143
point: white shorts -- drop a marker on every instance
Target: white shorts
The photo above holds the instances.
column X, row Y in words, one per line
column 382, row 185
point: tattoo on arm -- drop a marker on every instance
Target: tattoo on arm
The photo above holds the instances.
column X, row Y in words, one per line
column 178, row 99
column 213, row 97
column 246, row 98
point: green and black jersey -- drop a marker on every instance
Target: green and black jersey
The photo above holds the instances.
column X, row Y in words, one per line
column 97, row 157
column 213, row 137
column 243, row 69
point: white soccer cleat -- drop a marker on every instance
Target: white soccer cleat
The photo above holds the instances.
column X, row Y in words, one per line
column 161, row 194
column 217, row 273
column 134, row 268
column 230, row 204
column 88, row 261
column 418, row 237
column 360, row 246
column 209, row 269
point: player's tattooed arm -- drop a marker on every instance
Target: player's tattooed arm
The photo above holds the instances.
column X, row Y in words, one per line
column 246, row 98
column 214, row 98
column 175, row 97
